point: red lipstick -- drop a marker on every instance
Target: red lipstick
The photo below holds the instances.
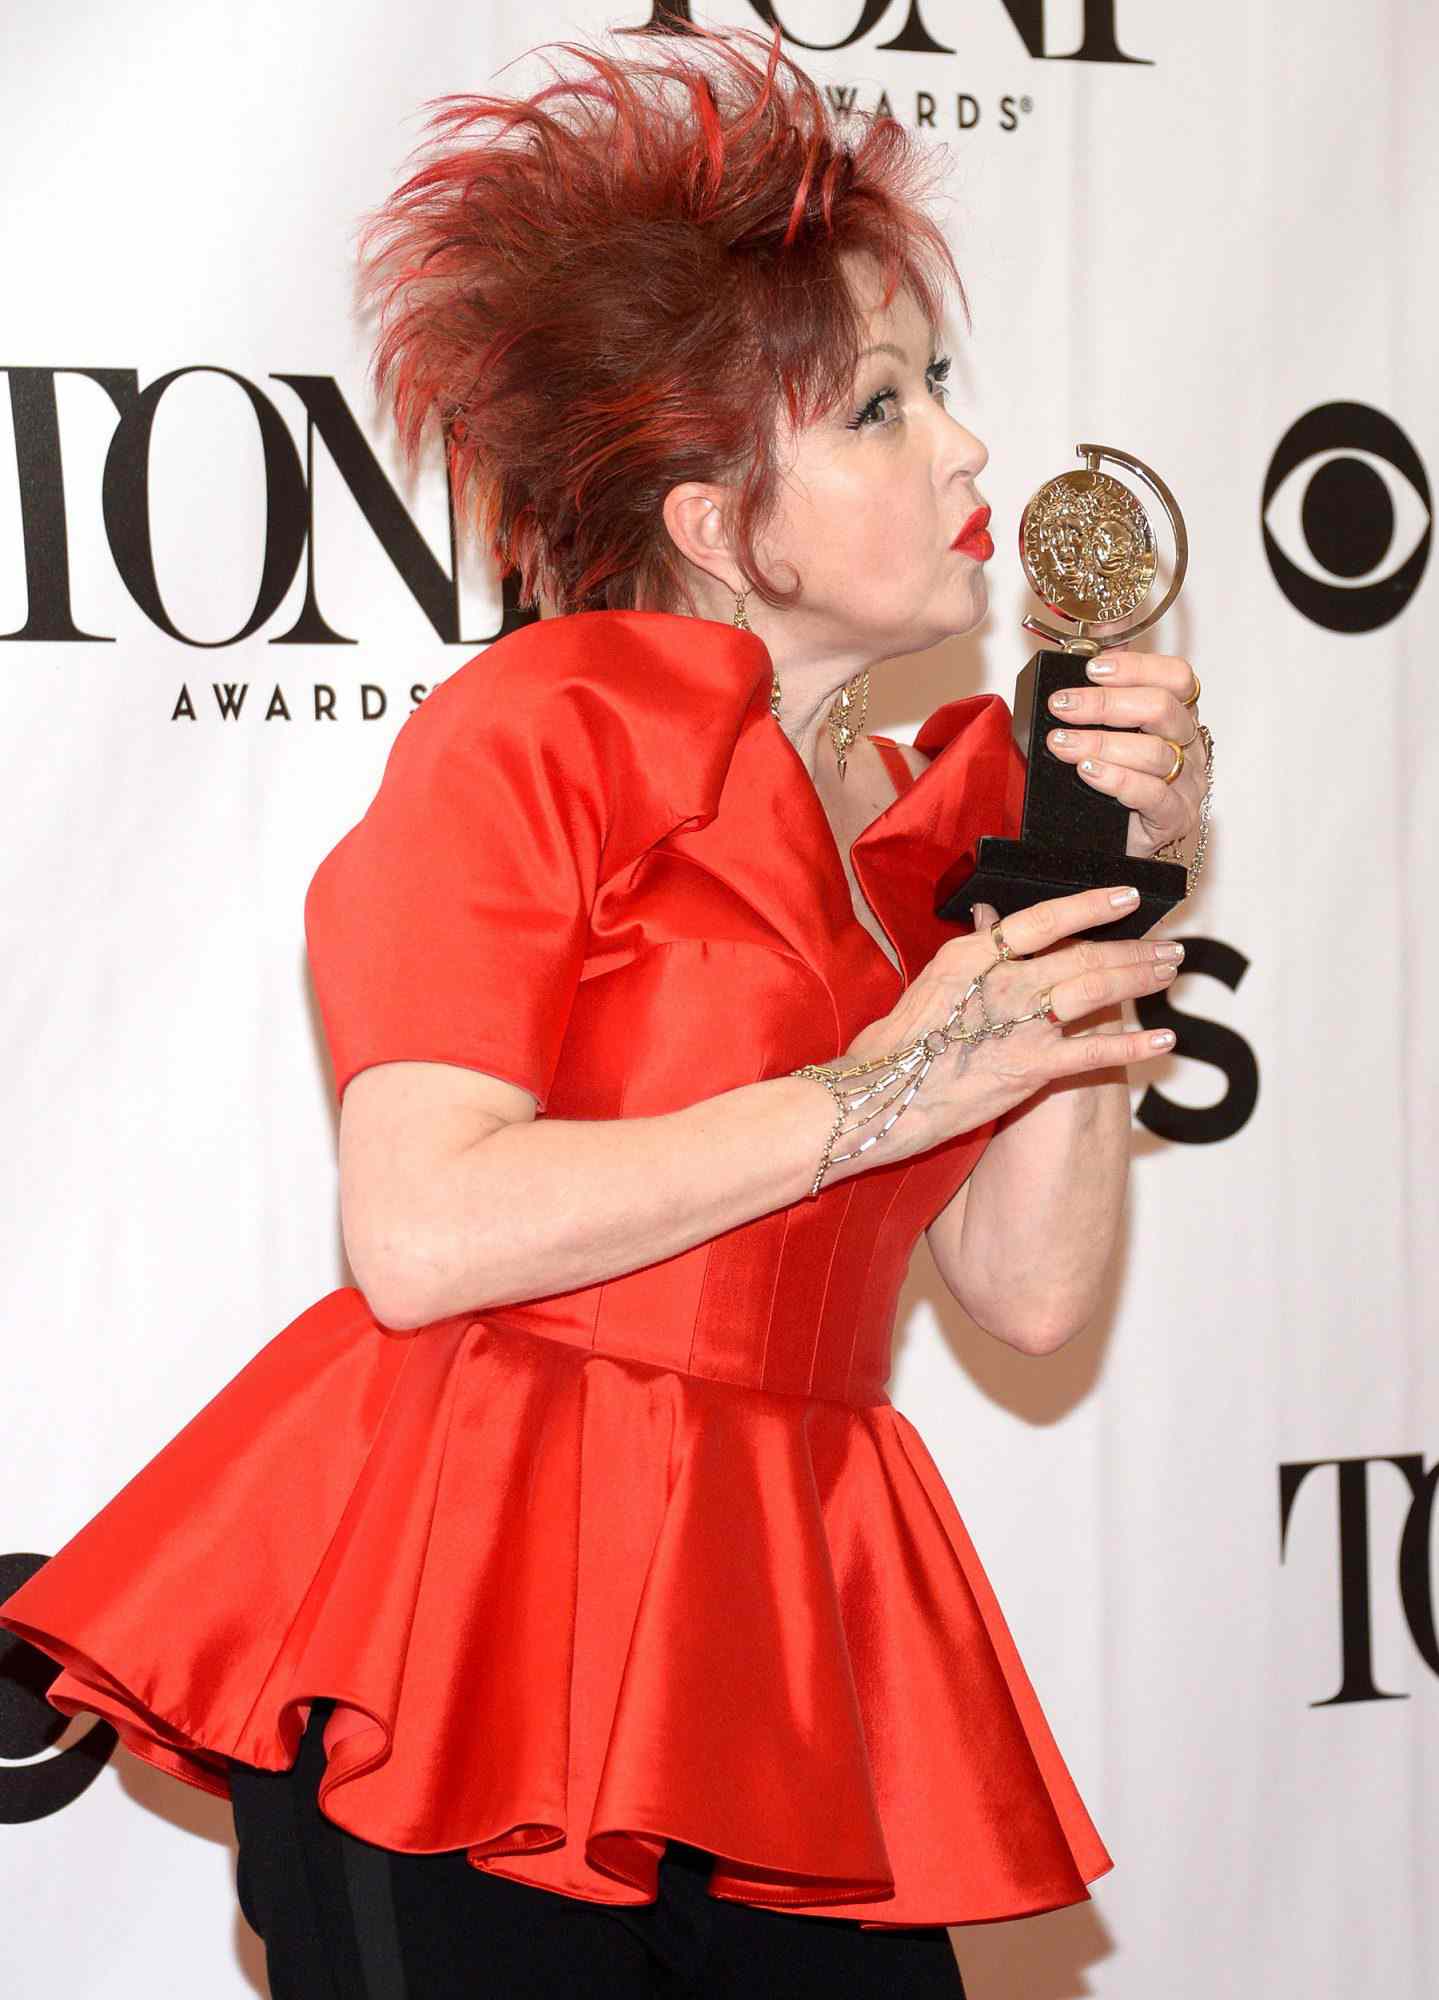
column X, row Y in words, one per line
column 974, row 539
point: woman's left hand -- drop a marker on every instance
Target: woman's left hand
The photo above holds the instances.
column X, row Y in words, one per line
column 1141, row 693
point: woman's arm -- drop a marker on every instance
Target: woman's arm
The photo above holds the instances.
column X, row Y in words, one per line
column 454, row 1197
column 1026, row 1242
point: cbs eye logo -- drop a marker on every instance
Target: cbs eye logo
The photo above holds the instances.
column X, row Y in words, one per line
column 1346, row 517
column 33, row 1783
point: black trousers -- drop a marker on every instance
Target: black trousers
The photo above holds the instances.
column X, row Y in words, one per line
column 342, row 1919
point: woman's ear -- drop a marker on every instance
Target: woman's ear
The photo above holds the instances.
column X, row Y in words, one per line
column 694, row 517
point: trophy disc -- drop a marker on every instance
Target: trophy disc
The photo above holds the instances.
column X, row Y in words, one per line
column 1087, row 547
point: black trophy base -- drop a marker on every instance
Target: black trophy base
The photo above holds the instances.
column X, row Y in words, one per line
column 1009, row 875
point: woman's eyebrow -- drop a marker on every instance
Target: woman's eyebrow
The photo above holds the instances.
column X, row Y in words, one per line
column 886, row 347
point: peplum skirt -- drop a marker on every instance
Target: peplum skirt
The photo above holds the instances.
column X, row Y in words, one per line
column 571, row 1606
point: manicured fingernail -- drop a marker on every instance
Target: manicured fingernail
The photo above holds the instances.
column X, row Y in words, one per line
column 1059, row 736
column 1088, row 766
column 1163, row 1040
column 1164, row 973
column 1169, row 951
column 1060, row 700
column 1099, row 668
column 1121, row 896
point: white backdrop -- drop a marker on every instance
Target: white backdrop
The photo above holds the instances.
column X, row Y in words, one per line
column 1183, row 254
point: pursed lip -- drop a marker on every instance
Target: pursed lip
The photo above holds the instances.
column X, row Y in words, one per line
column 975, row 525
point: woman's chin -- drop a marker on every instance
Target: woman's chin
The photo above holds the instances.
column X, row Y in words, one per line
column 967, row 609
column 979, row 597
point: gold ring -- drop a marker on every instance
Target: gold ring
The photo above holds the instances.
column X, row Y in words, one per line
column 1043, row 1005
column 997, row 944
column 1178, row 765
column 1190, row 699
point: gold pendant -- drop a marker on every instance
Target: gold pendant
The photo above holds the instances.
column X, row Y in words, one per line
column 845, row 731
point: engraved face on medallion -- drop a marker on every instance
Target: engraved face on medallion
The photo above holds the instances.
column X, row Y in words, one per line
column 1087, row 547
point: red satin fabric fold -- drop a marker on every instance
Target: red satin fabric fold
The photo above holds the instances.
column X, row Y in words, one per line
column 656, row 1559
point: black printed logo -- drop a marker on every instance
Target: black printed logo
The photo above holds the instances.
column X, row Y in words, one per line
column 33, row 1785
column 1099, row 34
column 1347, row 518
column 1206, row 1042
column 282, row 516
column 1409, row 1565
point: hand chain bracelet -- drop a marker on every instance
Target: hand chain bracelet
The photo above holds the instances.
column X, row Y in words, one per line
column 1167, row 852
column 901, row 1073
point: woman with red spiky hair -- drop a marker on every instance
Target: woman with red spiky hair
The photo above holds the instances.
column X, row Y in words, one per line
column 563, row 1605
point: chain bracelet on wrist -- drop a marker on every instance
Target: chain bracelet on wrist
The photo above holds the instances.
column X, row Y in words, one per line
column 1168, row 851
column 899, row 1074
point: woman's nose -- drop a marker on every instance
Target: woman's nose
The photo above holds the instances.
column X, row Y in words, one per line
column 965, row 455
column 977, row 451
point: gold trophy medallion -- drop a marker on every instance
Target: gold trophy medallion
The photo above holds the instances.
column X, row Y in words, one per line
column 1088, row 548
column 1088, row 551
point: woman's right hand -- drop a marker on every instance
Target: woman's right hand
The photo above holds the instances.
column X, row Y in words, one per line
column 970, row 1084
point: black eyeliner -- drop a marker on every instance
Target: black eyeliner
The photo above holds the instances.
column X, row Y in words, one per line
column 938, row 370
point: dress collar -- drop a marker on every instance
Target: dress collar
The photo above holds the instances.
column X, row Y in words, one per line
column 742, row 803
column 906, row 858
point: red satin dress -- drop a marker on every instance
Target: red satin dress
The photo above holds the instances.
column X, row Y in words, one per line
column 658, row 1558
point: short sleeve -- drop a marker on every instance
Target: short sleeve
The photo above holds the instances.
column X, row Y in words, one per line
column 450, row 924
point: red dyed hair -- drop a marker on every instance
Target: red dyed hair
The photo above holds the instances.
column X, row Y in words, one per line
column 618, row 284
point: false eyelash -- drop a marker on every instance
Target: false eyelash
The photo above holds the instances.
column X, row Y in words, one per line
column 938, row 371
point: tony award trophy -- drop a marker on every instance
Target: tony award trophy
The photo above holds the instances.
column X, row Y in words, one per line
column 1088, row 552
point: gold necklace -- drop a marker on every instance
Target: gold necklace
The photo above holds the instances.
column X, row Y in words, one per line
column 847, row 711
column 847, row 715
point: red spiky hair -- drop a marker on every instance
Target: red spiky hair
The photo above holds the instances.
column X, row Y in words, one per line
column 617, row 283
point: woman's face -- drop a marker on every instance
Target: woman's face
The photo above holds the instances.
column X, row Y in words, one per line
column 874, row 494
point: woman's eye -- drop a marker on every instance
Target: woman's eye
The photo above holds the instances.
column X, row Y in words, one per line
column 871, row 417
column 873, row 409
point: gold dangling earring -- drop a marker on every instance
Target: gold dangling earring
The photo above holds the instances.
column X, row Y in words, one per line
column 741, row 619
column 844, row 730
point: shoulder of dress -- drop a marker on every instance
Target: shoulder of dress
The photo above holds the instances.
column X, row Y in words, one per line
column 976, row 717
column 641, row 710
column 630, row 654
